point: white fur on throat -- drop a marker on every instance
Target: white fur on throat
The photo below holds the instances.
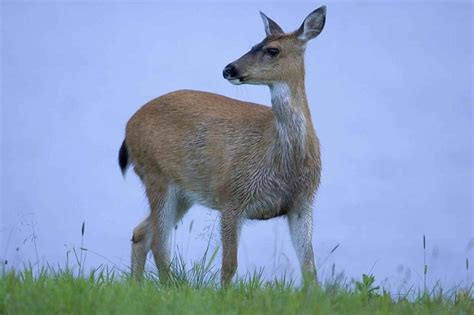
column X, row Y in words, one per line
column 290, row 119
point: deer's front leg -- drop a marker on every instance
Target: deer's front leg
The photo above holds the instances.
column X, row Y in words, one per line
column 230, row 230
column 300, row 221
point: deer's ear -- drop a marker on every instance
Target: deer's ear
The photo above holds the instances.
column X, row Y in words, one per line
column 312, row 25
column 271, row 27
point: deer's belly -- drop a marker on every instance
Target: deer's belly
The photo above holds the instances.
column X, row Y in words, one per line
column 271, row 205
column 265, row 214
column 276, row 199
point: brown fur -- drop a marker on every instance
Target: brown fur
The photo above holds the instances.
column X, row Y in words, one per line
column 247, row 160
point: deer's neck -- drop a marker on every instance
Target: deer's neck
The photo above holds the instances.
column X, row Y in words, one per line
column 292, row 119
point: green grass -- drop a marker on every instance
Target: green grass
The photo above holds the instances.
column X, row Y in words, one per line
column 195, row 291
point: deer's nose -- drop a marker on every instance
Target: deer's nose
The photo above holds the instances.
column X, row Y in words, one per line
column 229, row 71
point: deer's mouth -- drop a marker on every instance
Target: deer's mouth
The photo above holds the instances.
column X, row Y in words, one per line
column 237, row 80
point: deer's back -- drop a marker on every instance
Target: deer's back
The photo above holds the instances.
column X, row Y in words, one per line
column 198, row 139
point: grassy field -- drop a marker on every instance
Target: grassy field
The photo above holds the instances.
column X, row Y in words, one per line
column 195, row 291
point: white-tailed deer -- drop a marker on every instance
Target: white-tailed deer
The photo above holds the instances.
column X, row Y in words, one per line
column 247, row 160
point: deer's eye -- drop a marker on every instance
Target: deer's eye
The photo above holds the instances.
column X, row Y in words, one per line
column 272, row 51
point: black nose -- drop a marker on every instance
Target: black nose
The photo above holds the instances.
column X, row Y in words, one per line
column 229, row 71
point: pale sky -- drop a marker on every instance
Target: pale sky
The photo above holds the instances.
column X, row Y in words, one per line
column 390, row 88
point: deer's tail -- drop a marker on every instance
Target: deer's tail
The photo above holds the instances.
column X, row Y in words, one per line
column 123, row 158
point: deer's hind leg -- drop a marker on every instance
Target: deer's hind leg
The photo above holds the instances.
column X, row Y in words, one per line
column 142, row 237
column 231, row 225
column 141, row 241
column 168, row 206
column 153, row 232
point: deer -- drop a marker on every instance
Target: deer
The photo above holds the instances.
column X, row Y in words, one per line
column 248, row 161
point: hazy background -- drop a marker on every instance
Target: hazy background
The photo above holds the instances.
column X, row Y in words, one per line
column 390, row 88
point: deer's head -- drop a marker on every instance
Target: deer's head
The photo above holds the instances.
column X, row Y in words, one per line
column 280, row 56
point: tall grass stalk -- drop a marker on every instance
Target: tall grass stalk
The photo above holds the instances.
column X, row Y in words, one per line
column 83, row 229
column 425, row 266
column 467, row 273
